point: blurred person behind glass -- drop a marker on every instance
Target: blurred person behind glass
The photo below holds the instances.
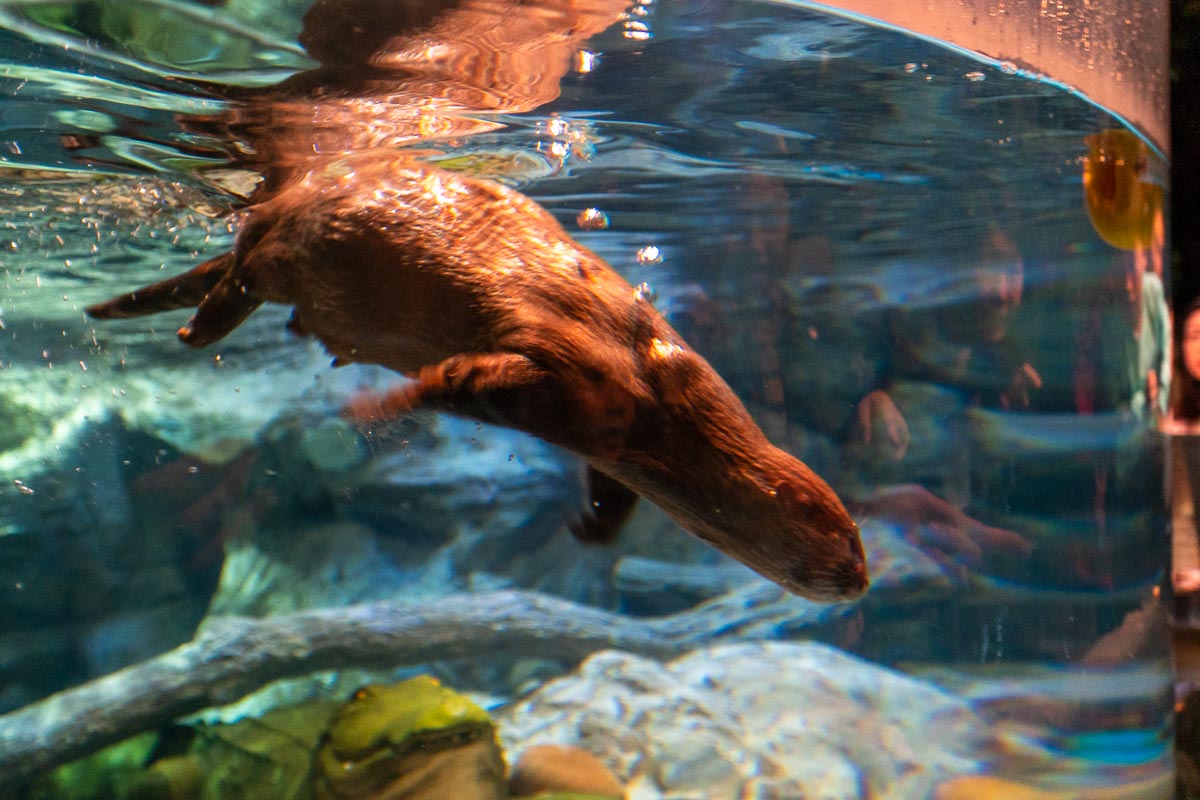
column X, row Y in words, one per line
column 1182, row 424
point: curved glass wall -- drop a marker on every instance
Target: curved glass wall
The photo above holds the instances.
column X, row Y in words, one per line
column 668, row 250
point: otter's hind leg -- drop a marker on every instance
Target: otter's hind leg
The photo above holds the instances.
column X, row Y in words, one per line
column 186, row 290
column 609, row 505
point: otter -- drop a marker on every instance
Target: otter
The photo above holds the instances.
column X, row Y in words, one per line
column 481, row 297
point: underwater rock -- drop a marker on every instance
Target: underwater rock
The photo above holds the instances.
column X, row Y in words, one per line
column 34, row 663
column 772, row 720
column 21, row 421
column 428, row 506
column 70, row 480
column 489, row 499
column 333, row 445
column 94, row 573
column 194, row 409
column 759, row 610
column 415, row 740
column 548, row 767
column 318, row 567
column 653, row 586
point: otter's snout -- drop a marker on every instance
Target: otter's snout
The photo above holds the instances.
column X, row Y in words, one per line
column 838, row 577
column 851, row 577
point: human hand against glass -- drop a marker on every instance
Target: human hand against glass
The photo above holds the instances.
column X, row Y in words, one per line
column 1186, row 580
column 953, row 539
column 1024, row 379
column 879, row 419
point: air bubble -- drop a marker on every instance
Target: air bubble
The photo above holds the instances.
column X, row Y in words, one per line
column 592, row 219
column 644, row 293
column 650, row 254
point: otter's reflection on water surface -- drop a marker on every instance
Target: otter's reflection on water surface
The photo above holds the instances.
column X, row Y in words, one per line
column 478, row 294
column 393, row 74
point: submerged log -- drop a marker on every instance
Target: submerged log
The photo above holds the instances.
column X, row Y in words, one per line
column 234, row 656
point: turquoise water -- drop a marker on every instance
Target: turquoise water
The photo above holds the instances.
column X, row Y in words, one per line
column 837, row 217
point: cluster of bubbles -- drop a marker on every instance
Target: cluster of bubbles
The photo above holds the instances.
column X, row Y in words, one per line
column 593, row 219
column 561, row 140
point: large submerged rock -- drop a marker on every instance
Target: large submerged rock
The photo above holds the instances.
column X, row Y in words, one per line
column 766, row 720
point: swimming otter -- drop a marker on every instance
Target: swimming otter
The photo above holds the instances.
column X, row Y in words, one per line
column 480, row 295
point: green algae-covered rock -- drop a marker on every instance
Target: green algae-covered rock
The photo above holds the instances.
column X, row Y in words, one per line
column 19, row 422
column 415, row 740
column 101, row 776
column 411, row 741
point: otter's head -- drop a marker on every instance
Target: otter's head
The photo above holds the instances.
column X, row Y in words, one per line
column 793, row 529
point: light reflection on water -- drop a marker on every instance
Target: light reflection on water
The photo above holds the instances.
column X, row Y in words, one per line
column 823, row 210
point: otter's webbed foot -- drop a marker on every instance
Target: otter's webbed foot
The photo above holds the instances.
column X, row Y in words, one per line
column 222, row 309
column 182, row 291
column 214, row 288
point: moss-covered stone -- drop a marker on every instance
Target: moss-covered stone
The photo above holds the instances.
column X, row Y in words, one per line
column 19, row 422
column 105, row 775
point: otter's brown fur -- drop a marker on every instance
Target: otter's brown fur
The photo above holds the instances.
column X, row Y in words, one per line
column 479, row 294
